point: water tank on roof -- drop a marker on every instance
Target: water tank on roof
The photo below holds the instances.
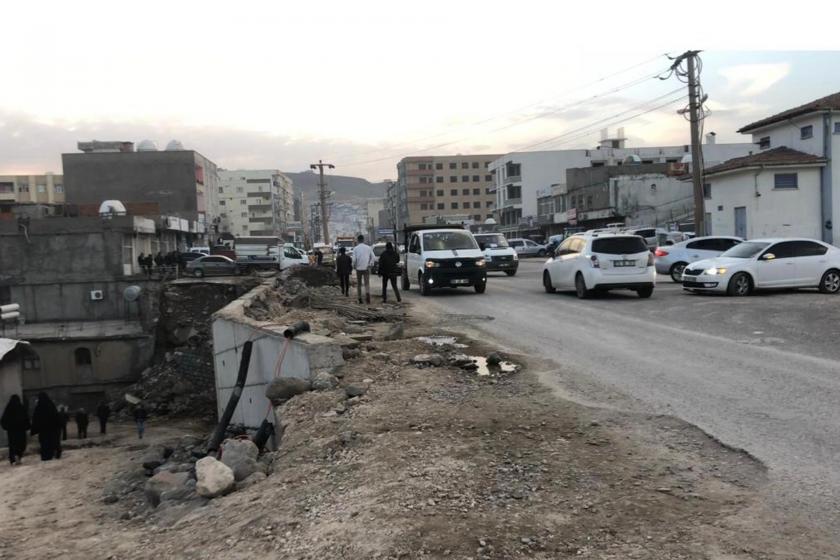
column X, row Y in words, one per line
column 111, row 208
column 147, row 146
column 174, row 146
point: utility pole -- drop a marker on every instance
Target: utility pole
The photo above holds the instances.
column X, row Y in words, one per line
column 323, row 194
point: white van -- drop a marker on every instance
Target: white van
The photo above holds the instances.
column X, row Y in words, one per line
column 499, row 256
column 443, row 257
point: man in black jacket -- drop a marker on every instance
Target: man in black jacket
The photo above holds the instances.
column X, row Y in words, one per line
column 343, row 268
column 389, row 269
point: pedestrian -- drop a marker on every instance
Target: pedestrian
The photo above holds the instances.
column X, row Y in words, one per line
column 140, row 416
column 343, row 268
column 16, row 422
column 103, row 412
column 159, row 260
column 46, row 424
column 82, row 420
column 389, row 268
column 141, row 262
column 362, row 261
column 65, row 418
column 319, row 257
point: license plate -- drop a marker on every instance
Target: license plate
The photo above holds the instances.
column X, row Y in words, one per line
column 623, row 263
column 461, row 281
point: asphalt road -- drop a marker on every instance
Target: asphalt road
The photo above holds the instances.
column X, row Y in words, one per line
column 758, row 373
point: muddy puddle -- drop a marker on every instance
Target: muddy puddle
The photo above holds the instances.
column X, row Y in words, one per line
column 487, row 369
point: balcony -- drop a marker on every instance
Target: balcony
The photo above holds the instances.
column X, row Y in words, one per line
column 511, row 202
column 513, row 179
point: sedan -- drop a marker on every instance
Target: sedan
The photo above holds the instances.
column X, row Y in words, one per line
column 672, row 260
column 527, row 248
column 212, row 264
column 767, row 264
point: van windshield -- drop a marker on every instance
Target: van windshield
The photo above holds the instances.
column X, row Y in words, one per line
column 493, row 241
column 448, row 241
column 745, row 250
column 619, row 245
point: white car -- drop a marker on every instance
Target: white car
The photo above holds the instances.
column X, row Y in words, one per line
column 767, row 263
column 673, row 259
column 599, row 262
column 527, row 248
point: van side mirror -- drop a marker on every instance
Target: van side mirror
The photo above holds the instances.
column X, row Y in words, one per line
column 481, row 246
column 768, row 257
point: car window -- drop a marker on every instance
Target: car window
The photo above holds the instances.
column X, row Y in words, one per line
column 726, row 244
column 646, row 232
column 290, row 253
column 619, row 245
column 704, row 245
column 414, row 245
column 211, row 259
column 378, row 250
column 808, row 249
column 577, row 245
column 515, row 243
column 492, row 240
column 783, row 250
column 745, row 250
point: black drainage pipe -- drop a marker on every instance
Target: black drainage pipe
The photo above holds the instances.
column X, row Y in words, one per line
column 296, row 329
column 221, row 428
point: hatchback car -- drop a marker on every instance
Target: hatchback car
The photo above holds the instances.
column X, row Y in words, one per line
column 600, row 262
column 673, row 259
column 527, row 248
column 767, row 264
column 212, row 265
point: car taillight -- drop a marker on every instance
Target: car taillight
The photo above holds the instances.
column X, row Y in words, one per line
column 595, row 263
column 650, row 259
column 660, row 253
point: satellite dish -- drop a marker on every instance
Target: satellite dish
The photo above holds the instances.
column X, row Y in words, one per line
column 174, row 146
column 111, row 208
column 132, row 293
column 633, row 159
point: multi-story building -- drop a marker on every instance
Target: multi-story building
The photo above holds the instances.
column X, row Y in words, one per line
column 181, row 182
column 521, row 178
column 255, row 202
column 40, row 189
column 433, row 189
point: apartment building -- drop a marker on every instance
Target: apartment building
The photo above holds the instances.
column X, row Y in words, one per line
column 441, row 189
column 44, row 189
column 253, row 202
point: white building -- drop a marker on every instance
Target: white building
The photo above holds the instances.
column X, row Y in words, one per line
column 788, row 187
column 520, row 178
column 253, row 202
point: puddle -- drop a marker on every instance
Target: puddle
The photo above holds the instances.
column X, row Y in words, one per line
column 486, row 369
column 441, row 341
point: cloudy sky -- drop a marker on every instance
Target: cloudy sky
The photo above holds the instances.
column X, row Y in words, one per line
column 362, row 84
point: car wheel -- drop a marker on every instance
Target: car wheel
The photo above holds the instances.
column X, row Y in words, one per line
column 645, row 293
column 406, row 284
column 541, row 253
column 549, row 288
column 739, row 285
column 425, row 289
column 480, row 287
column 580, row 287
column 830, row 282
column 677, row 272
column 510, row 272
column 198, row 273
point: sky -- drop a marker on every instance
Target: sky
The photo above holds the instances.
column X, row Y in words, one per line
column 362, row 84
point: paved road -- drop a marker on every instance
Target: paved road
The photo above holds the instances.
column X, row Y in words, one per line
column 759, row 373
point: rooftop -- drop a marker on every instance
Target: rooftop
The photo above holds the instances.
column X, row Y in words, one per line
column 777, row 157
column 827, row 103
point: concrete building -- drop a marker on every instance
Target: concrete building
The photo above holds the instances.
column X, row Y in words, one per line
column 43, row 189
column 432, row 189
column 789, row 186
column 253, row 202
column 521, row 178
column 180, row 181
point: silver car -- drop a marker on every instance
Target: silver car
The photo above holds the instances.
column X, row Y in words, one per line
column 527, row 248
column 212, row 265
column 672, row 259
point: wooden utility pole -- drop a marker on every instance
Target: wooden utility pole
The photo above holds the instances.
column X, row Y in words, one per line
column 322, row 184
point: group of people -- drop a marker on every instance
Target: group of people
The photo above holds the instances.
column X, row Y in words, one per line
column 49, row 423
column 160, row 262
column 361, row 260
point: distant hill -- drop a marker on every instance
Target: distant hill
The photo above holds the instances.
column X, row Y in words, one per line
column 345, row 188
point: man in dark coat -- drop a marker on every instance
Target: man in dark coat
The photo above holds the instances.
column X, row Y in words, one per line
column 343, row 268
column 140, row 416
column 103, row 412
column 16, row 422
column 46, row 424
column 82, row 420
column 65, row 418
column 389, row 269
column 159, row 262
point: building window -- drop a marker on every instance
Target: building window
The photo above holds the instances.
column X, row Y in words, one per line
column 31, row 362
column 221, row 203
column 465, row 165
column 453, row 179
column 489, row 215
column 786, row 181
column 42, row 188
column 83, row 357
column 837, row 128
column 486, row 164
column 489, row 204
column 475, row 165
column 589, row 201
column 421, row 166
column 221, row 189
column 240, row 189
column 488, row 177
column 465, row 178
column 439, row 179
column 466, row 205
column 476, row 178
column 513, row 169
column 59, row 188
column 707, row 191
column 465, row 192
column 454, row 205
column 764, row 143
column 244, row 214
column 424, row 206
column 514, row 191
column 243, row 201
column 440, row 205
column 453, row 166
column 453, row 192
column 477, row 192
column 806, row 132
column 438, row 166
column 23, row 188
column 423, row 179
column 439, row 192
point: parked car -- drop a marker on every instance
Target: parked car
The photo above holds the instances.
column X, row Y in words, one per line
column 767, row 264
column 590, row 263
column 444, row 257
column 673, row 259
column 291, row 256
column 212, row 265
column 204, row 250
column 500, row 256
column 527, row 248
column 189, row 257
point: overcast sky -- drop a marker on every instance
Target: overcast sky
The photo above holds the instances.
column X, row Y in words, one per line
column 362, row 84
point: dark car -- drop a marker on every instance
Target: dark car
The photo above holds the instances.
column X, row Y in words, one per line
column 208, row 265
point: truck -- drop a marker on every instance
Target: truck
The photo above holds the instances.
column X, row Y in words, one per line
column 346, row 241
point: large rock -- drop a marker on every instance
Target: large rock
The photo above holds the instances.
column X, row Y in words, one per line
column 428, row 359
column 355, row 390
column 324, row 381
column 162, row 483
column 153, row 457
column 214, row 478
column 246, row 468
column 235, row 451
column 282, row 389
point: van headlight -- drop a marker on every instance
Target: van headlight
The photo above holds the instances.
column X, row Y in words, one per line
column 515, row 256
column 432, row 264
column 480, row 262
column 715, row 271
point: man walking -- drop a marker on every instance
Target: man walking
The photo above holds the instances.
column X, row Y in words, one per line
column 343, row 268
column 362, row 261
column 389, row 269
column 140, row 416
column 103, row 412
column 82, row 419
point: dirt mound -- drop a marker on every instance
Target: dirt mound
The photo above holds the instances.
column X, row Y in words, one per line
column 312, row 276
